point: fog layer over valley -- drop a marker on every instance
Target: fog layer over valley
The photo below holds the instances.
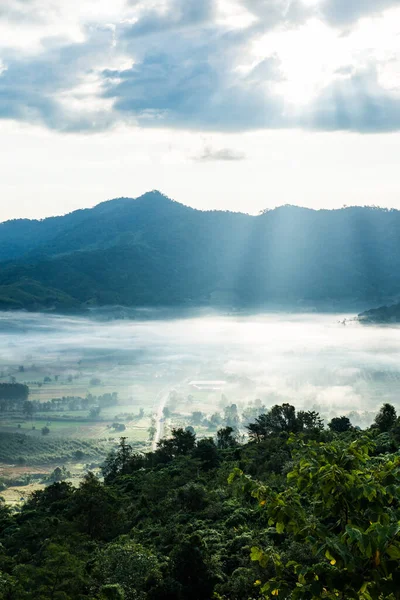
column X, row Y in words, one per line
column 199, row 363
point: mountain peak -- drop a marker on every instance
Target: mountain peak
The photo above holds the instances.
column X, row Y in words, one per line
column 155, row 195
column 152, row 196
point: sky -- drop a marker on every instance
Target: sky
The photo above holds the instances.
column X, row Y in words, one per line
column 220, row 104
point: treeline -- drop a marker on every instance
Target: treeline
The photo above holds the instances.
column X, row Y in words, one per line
column 13, row 395
column 14, row 392
column 76, row 403
column 66, row 403
column 298, row 512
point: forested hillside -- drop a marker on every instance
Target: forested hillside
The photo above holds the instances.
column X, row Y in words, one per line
column 383, row 314
column 153, row 251
column 298, row 512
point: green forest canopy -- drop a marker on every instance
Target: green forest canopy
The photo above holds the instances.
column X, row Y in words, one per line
column 299, row 511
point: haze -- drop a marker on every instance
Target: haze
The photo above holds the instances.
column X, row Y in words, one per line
column 313, row 361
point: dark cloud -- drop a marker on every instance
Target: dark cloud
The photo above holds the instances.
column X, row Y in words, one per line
column 225, row 154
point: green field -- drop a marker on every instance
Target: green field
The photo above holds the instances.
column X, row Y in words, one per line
column 22, row 449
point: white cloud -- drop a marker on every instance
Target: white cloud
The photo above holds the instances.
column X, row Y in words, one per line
column 188, row 65
column 254, row 69
column 226, row 154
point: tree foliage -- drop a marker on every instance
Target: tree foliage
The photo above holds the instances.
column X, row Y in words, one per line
column 297, row 512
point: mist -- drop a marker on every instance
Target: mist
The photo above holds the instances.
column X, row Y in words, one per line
column 310, row 360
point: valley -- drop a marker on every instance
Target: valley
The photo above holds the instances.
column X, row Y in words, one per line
column 94, row 380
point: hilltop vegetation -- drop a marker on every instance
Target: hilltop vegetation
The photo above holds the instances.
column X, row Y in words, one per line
column 298, row 512
column 153, row 251
column 383, row 314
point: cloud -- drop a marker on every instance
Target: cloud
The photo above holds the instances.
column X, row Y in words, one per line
column 178, row 14
column 345, row 12
column 356, row 103
column 162, row 91
column 273, row 13
column 187, row 71
column 44, row 88
column 339, row 13
column 21, row 10
column 226, row 154
column 177, row 64
column 197, row 80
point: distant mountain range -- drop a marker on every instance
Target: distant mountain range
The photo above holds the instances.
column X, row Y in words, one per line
column 152, row 251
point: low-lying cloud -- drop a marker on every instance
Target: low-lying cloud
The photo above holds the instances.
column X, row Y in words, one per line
column 311, row 361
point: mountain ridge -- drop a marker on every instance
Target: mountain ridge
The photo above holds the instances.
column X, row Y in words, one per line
column 152, row 250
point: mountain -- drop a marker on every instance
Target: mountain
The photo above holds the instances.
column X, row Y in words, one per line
column 381, row 315
column 154, row 251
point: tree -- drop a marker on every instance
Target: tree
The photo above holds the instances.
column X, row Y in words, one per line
column 28, row 408
column 59, row 474
column 152, row 432
column 191, row 567
column 60, row 575
column 386, row 418
column 341, row 506
column 197, row 417
column 95, row 509
column 216, row 420
column 112, row 591
column 277, row 420
column 118, row 426
column 206, row 452
column 132, row 566
column 340, row 424
column 231, row 415
column 181, row 443
column 94, row 412
column 309, row 421
column 117, row 461
column 226, row 438
column 192, row 497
